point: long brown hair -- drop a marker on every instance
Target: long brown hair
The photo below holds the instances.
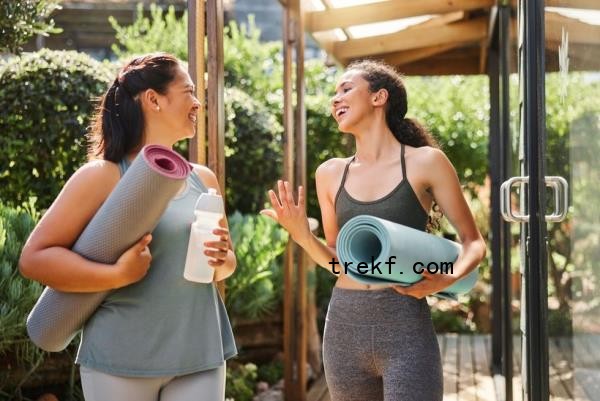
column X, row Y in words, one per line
column 118, row 124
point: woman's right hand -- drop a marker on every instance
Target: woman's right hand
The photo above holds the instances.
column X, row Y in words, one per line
column 286, row 212
column 133, row 264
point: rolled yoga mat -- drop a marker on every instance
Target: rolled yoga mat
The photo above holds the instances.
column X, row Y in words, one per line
column 373, row 240
column 132, row 209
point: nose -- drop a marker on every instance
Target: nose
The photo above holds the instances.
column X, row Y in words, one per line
column 197, row 103
column 335, row 100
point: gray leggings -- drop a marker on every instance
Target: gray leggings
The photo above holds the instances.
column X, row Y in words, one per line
column 207, row 385
column 380, row 345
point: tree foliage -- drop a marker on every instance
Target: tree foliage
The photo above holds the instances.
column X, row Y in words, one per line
column 21, row 19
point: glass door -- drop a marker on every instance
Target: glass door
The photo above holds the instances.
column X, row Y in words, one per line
column 556, row 198
column 572, row 151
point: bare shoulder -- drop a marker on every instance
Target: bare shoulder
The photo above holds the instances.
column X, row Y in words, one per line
column 99, row 175
column 206, row 175
column 331, row 169
column 430, row 157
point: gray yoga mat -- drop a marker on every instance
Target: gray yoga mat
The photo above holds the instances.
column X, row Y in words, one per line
column 373, row 240
column 132, row 209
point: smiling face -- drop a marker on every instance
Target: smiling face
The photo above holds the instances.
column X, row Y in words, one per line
column 352, row 101
column 178, row 107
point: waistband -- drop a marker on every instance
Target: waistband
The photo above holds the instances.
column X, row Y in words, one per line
column 375, row 307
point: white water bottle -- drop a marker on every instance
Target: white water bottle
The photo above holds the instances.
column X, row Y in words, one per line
column 208, row 211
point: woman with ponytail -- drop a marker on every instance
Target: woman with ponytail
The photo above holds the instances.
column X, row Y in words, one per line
column 156, row 336
column 379, row 342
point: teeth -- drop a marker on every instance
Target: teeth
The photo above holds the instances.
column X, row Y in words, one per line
column 342, row 110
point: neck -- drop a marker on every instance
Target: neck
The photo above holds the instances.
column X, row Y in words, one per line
column 375, row 142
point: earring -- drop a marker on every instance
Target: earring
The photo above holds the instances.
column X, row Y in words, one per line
column 157, row 108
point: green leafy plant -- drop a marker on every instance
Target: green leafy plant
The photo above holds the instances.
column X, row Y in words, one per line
column 253, row 158
column 160, row 31
column 46, row 99
column 17, row 297
column 21, row 19
column 270, row 372
column 240, row 382
column 254, row 289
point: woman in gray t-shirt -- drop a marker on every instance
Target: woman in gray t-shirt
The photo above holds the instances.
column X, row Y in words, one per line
column 156, row 336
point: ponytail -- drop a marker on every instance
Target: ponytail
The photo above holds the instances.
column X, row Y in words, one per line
column 118, row 124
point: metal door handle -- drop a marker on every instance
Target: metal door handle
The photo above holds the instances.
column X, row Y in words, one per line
column 561, row 199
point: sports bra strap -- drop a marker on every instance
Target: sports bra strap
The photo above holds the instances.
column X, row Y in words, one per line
column 402, row 161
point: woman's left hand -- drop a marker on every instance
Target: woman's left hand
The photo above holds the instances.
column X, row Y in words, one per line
column 218, row 250
column 430, row 284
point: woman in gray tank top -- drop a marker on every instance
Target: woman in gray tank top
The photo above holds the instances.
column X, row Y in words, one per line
column 379, row 342
column 156, row 336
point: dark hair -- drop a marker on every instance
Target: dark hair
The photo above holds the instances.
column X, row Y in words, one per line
column 381, row 75
column 118, row 124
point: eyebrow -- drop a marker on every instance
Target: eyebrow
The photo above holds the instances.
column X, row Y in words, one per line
column 343, row 83
column 190, row 86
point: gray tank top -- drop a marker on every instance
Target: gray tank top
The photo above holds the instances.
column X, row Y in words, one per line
column 401, row 205
column 163, row 325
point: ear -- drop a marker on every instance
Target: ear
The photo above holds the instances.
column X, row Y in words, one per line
column 380, row 97
column 150, row 99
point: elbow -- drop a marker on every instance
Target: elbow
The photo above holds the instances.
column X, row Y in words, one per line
column 25, row 264
column 482, row 248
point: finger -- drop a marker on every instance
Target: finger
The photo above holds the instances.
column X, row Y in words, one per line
column 283, row 195
column 220, row 245
column 222, row 255
column 221, row 231
column 275, row 200
column 289, row 192
column 269, row 213
column 143, row 243
column 301, row 196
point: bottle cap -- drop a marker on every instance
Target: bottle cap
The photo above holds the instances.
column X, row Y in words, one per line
column 210, row 202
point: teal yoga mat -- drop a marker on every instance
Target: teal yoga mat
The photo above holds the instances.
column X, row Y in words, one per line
column 373, row 240
column 132, row 209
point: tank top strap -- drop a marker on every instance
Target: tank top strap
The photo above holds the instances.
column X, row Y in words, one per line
column 197, row 182
column 402, row 161
column 337, row 195
column 123, row 166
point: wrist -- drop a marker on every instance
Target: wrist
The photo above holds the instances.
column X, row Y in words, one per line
column 303, row 239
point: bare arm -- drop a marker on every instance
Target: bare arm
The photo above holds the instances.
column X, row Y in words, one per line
column 46, row 256
column 446, row 190
column 292, row 216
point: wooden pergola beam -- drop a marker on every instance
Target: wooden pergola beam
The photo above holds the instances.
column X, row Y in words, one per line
column 585, row 4
column 385, row 11
column 468, row 31
column 579, row 32
column 410, row 56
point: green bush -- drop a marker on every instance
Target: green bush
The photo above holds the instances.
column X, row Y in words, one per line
column 254, row 289
column 17, row 296
column 45, row 106
column 270, row 372
column 252, row 153
column 240, row 382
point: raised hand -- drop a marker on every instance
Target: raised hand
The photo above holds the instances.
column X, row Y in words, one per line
column 288, row 213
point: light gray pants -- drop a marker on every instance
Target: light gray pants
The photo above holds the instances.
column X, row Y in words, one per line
column 380, row 345
column 207, row 385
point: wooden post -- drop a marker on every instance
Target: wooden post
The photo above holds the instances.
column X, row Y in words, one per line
column 294, row 121
column 216, row 86
column 196, row 68
column 289, row 332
